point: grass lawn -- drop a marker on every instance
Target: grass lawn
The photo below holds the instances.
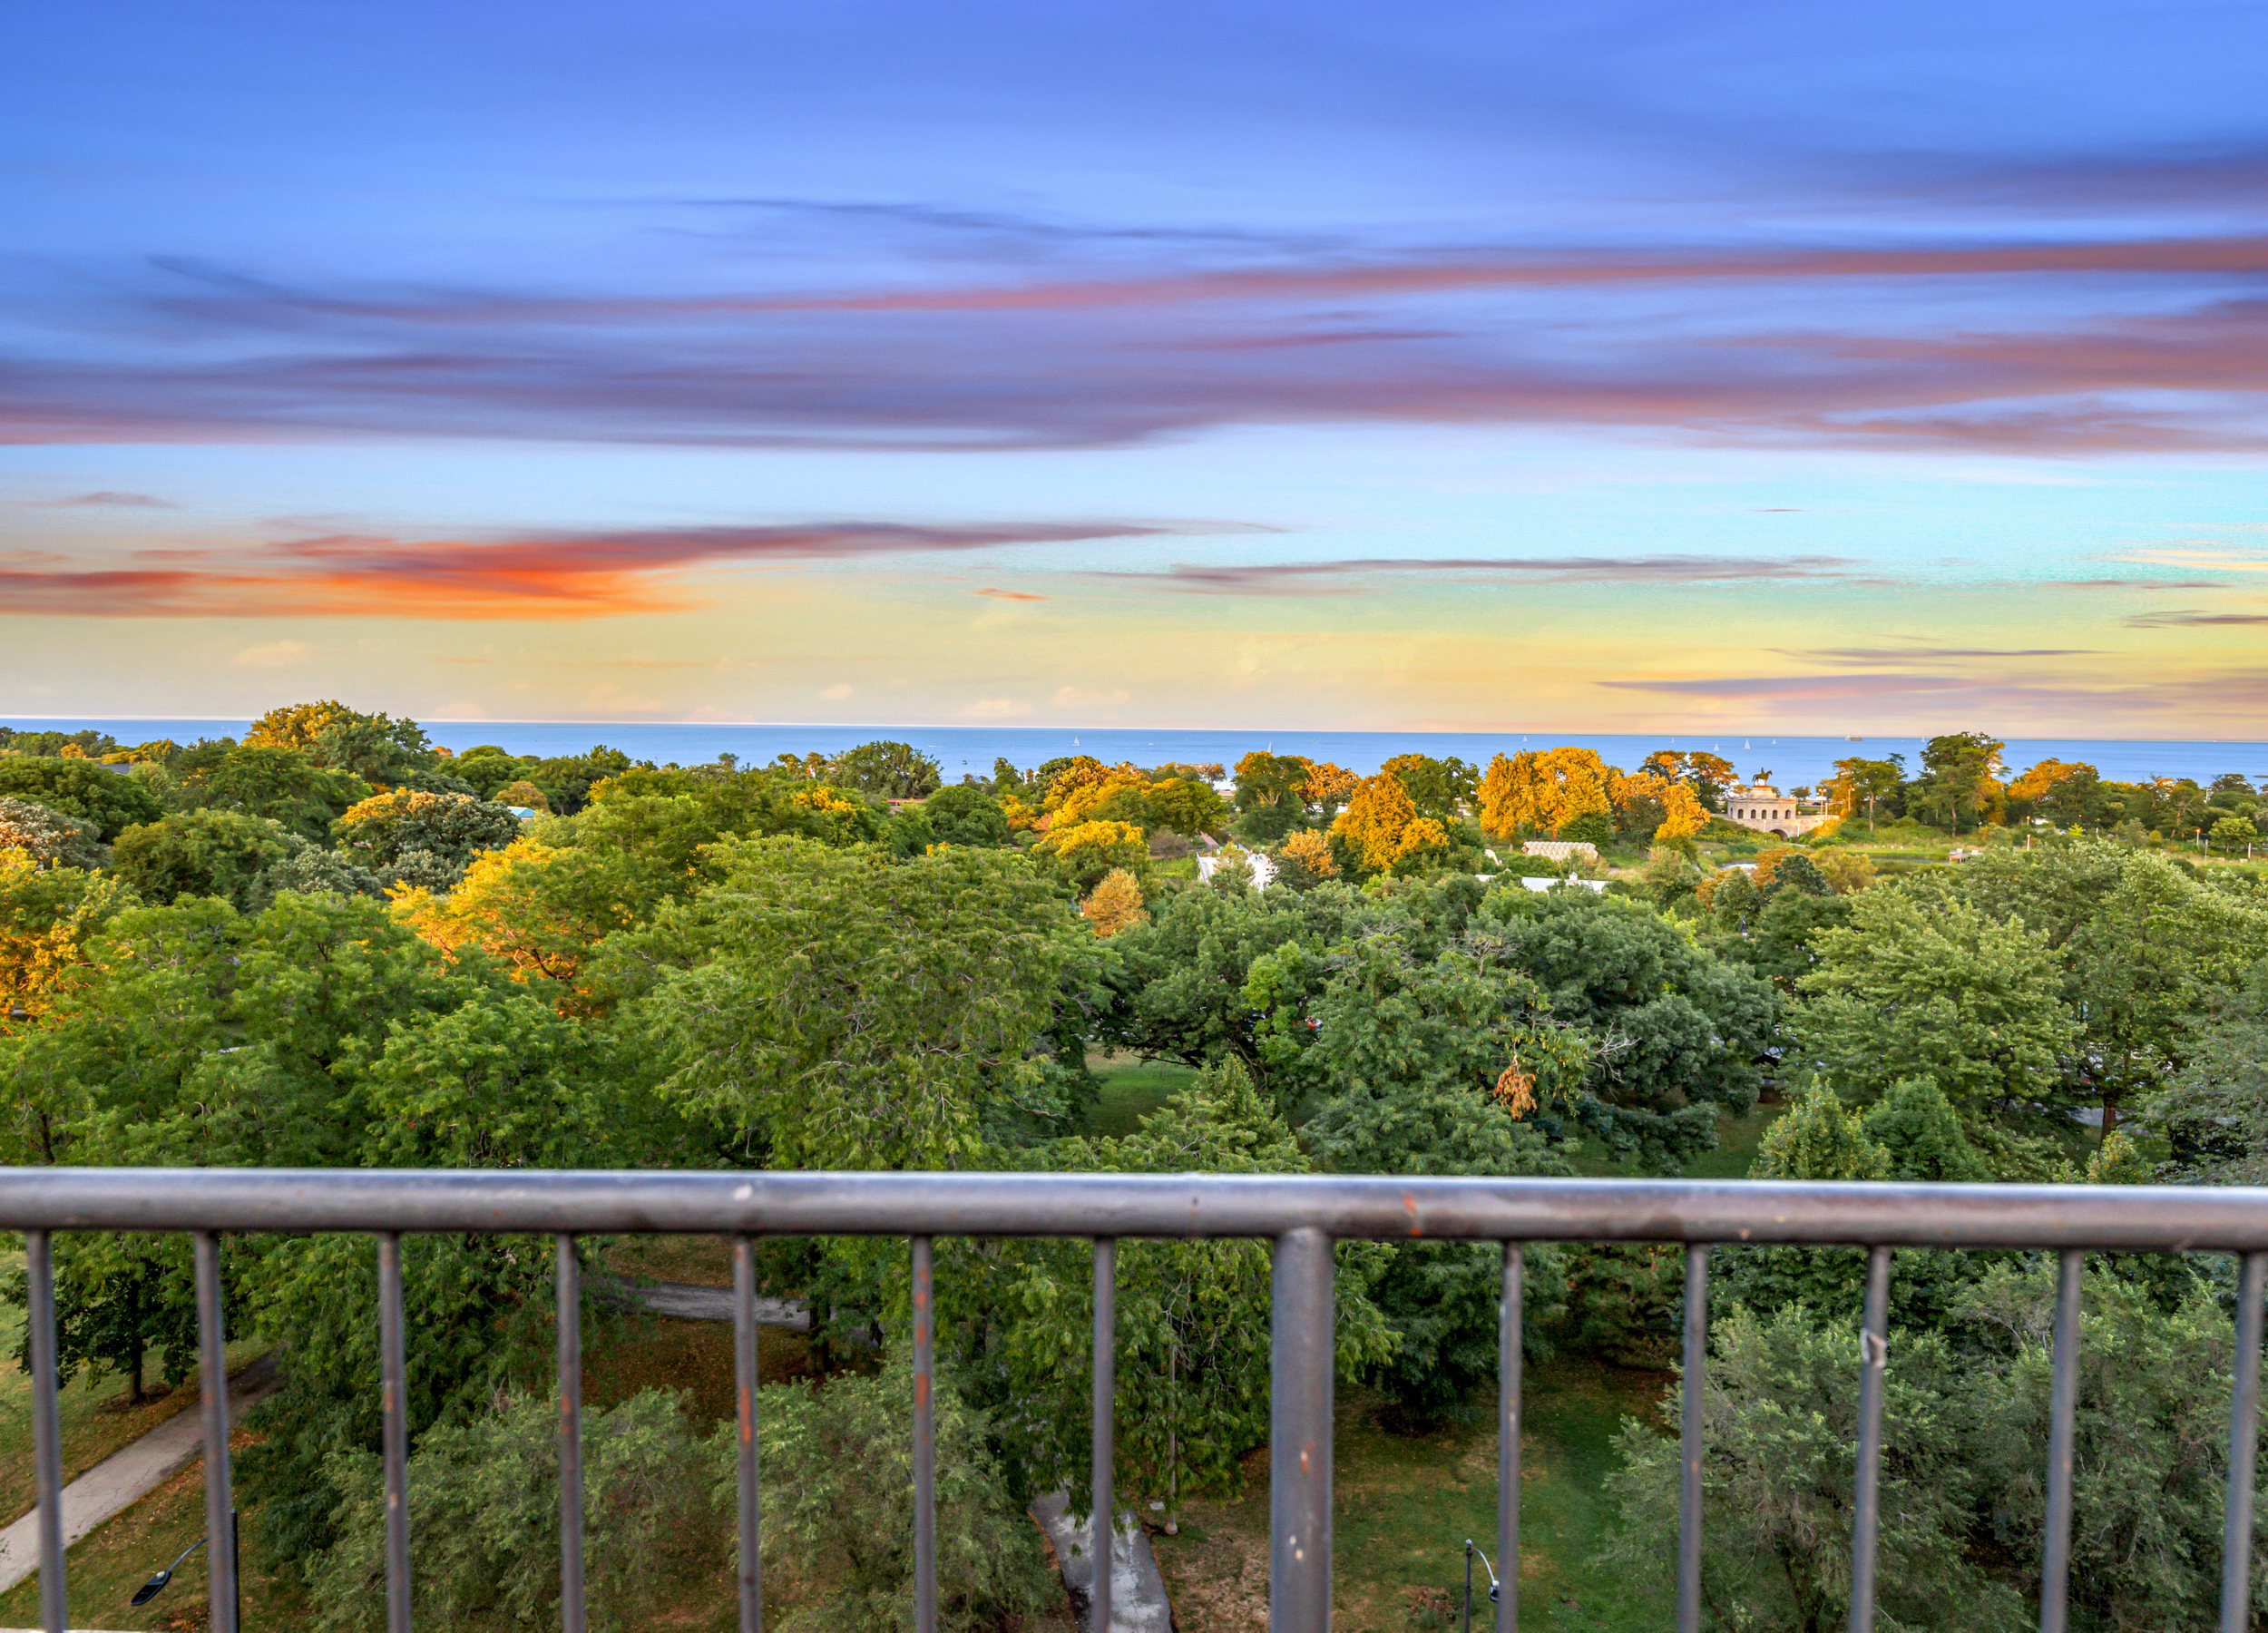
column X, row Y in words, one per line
column 1736, row 1141
column 105, row 1568
column 96, row 1420
column 1405, row 1505
column 1131, row 1089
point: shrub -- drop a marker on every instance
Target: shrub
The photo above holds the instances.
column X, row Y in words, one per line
column 838, row 1509
column 485, row 1496
column 1780, row 1424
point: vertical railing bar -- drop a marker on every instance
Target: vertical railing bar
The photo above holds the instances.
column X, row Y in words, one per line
column 744, row 1362
column 569, row 1283
column 1509, row 1340
column 924, row 1440
column 1104, row 1528
column 1300, row 1366
column 393, row 1399
column 1689, row 1446
column 2055, row 1577
column 1874, row 1362
column 212, row 1355
column 39, row 1267
column 2236, row 1533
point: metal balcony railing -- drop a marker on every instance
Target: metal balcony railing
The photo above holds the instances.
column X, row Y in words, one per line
column 1302, row 1216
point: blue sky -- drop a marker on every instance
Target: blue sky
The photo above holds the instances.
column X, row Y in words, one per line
column 1427, row 365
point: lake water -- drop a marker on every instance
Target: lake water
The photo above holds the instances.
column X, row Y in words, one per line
column 1792, row 760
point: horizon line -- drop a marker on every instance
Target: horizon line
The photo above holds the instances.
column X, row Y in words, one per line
column 1223, row 731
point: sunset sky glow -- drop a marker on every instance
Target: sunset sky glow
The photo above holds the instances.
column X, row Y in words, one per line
column 1617, row 368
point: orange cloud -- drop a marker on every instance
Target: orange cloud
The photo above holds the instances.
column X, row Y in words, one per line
column 543, row 575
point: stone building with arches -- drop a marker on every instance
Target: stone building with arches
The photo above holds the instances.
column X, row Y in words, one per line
column 1762, row 807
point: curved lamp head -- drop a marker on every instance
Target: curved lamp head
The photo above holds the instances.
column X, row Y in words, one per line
column 156, row 1584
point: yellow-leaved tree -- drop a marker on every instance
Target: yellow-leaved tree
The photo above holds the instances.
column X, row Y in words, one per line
column 1328, row 787
column 1377, row 821
column 537, row 909
column 1085, row 852
column 1542, row 790
column 1304, row 859
column 1115, row 904
column 1683, row 815
column 46, row 916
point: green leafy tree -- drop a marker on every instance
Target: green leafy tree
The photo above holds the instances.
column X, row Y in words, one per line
column 2214, row 1114
column 1430, row 1068
column 2140, row 946
column 1945, row 992
column 210, row 853
column 571, row 779
column 378, row 749
column 835, row 1009
column 486, row 1492
column 1958, row 788
column 964, row 815
column 1870, row 786
column 1185, row 806
column 1178, row 982
column 1815, row 1138
column 838, row 1509
column 888, row 770
column 282, row 784
column 1193, row 1317
column 1920, row 1137
column 1682, row 1032
column 81, row 788
column 488, row 769
column 1773, row 932
column 1780, row 1428
column 1271, row 795
column 1588, row 827
column 134, row 1304
column 2150, row 1463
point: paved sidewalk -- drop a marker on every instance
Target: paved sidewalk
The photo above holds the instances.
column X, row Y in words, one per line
column 687, row 1301
column 128, row 1475
column 1137, row 1592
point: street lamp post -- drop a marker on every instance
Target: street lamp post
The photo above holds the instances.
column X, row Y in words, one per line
column 1471, row 1548
column 156, row 1584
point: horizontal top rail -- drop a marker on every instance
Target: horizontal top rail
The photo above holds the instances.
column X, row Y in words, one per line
column 2141, row 1218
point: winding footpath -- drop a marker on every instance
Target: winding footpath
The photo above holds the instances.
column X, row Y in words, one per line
column 130, row 1473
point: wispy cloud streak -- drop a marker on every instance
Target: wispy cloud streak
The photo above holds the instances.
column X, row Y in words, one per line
column 2183, row 618
column 1321, row 578
column 2103, row 344
column 536, row 576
